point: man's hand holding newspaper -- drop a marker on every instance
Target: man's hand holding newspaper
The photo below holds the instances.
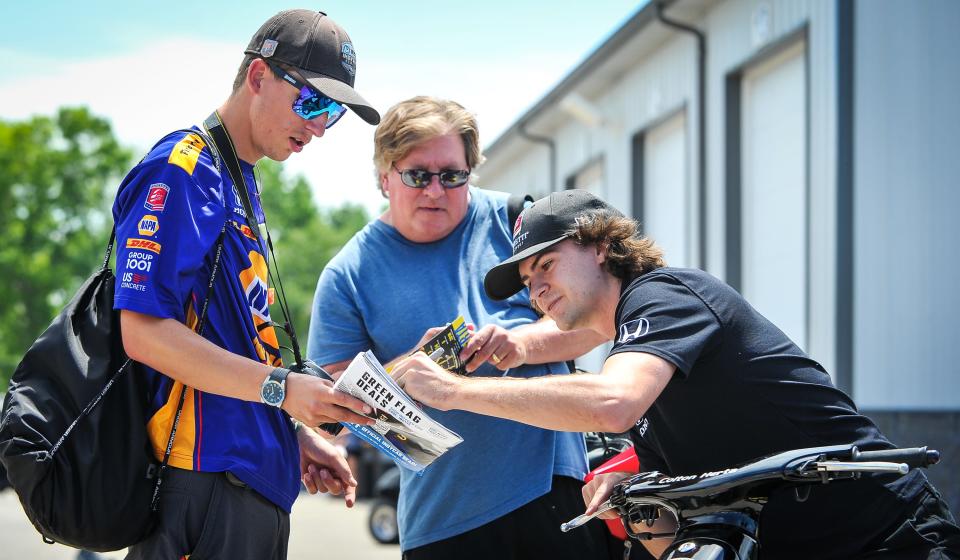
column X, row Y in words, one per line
column 403, row 431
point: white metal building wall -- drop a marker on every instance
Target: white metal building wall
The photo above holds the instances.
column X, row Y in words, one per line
column 888, row 171
column 666, row 190
column 525, row 173
column 774, row 208
column 738, row 34
column 906, row 200
column 660, row 84
column 899, row 228
column 663, row 81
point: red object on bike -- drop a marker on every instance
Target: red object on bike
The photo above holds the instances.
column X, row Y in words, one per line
column 625, row 461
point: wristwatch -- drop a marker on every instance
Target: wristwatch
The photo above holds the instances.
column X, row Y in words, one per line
column 273, row 389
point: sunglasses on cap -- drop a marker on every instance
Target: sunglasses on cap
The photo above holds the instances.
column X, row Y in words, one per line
column 311, row 103
column 420, row 178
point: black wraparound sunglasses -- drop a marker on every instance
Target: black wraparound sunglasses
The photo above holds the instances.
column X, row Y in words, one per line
column 420, row 178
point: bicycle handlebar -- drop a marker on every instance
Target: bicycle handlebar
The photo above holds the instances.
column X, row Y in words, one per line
column 914, row 456
column 718, row 490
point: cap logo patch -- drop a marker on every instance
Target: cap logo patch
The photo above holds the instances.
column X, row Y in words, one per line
column 269, row 47
column 518, row 224
column 518, row 241
column 348, row 58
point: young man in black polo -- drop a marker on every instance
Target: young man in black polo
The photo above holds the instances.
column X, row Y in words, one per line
column 702, row 380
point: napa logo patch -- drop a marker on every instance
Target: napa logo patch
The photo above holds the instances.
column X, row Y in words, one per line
column 632, row 330
column 156, row 197
column 148, row 225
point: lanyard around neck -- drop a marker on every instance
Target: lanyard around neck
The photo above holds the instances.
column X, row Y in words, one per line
column 223, row 144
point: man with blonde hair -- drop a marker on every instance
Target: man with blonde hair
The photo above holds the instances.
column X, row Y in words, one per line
column 504, row 490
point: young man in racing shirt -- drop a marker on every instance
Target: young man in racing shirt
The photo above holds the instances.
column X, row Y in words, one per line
column 237, row 458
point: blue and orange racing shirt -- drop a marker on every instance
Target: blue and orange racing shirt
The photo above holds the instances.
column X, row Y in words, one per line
column 169, row 213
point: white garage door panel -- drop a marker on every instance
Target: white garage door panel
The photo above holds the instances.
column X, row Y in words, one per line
column 665, row 190
column 774, row 179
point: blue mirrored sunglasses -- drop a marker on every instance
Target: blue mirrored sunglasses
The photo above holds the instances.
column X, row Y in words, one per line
column 311, row 103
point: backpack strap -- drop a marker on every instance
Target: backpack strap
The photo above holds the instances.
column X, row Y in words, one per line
column 201, row 323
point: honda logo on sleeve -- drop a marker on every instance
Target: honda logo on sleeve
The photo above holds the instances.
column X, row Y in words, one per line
column 632, row 330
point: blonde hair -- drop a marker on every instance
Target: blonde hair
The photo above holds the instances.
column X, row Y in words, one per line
column 418, row 119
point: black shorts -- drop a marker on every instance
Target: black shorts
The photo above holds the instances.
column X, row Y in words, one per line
column 930, row 533
column 213, row 515
column 530, row 531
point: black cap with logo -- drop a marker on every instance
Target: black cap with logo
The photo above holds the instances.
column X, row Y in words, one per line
column 546, row 222
column 319, row 49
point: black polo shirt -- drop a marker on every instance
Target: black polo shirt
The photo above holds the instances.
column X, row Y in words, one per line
column 743, row 390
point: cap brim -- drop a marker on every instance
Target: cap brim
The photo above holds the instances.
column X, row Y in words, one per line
column 503, row 280
column 342, row 93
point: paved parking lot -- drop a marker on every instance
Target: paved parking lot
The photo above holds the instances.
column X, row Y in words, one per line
column 321, row 527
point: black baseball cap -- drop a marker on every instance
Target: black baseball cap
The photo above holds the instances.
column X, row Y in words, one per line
column 319, row 49
column 546, row 222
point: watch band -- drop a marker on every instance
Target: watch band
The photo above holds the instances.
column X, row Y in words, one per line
column 279, row 374
column 276, row 379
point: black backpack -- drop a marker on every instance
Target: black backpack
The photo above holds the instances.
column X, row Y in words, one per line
column 73, row 434
column 73, row 431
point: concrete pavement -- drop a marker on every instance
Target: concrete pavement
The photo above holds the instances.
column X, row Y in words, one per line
column 321, row 528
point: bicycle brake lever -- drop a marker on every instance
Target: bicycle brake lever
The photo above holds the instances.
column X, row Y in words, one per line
column 582, row 519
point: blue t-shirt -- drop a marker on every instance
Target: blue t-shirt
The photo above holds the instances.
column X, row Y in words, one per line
column 170, row 211
column 382, row 292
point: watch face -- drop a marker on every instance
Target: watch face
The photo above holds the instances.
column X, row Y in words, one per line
column 272, row 392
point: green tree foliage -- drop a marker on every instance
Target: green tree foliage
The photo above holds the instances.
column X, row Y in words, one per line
column 305, row 238
column 57, row 175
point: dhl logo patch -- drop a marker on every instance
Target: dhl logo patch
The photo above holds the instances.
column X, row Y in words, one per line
column 244, row 229
column 145, row 244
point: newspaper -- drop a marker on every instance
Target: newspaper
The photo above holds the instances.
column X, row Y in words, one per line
column 451, row 341
column 403, row 431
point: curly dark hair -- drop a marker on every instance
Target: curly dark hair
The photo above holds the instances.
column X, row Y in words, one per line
column 629, row 253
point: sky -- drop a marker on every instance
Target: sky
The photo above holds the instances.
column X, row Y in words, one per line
column 152, row 67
